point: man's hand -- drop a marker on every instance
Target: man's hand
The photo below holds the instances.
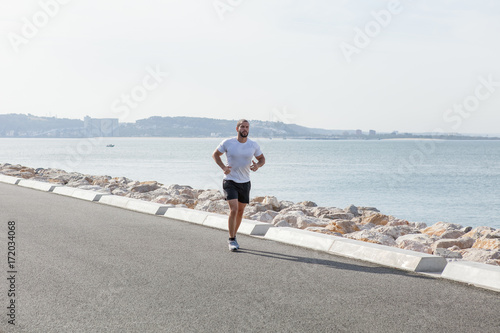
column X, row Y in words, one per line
column 255, row 166
column 216, row 156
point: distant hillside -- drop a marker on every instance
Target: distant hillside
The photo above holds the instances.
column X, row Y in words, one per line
column 33, row 126
column 20, row 125
column 205, row 127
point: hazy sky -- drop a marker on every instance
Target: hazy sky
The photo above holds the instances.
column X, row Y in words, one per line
column 415, row 66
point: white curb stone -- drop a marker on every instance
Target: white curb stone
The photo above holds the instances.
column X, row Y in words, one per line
column 247, row 227
column 217, row 221
column 299, row 237
column 9, row 179
column 79, row 193
column 388, row 256
column 254, row 228
column 186, row 214
column 475, row 273
column 42, row 186
column 134, row 204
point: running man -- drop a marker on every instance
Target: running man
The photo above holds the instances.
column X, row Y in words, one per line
column 236, row 184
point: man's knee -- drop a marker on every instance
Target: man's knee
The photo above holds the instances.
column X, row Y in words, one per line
column 233, row 206
column 241, row 208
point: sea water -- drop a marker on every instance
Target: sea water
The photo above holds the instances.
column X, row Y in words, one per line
column 418, row 180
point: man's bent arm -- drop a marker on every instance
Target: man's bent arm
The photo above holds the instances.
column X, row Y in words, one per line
column 261, row 159
column 216, row 156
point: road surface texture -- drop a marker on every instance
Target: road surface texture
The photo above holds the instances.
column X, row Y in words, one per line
column 87, row 267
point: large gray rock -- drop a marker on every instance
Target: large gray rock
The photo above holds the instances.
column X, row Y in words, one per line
column 95, row 188
column 119, row 191
column 479, row 232
column 162, row 199
column 78, row 183
column 376, row 218
column 372, row 236
column 342, row 226
column 101, row 180
column 308, row 204
column 282, row 223
column 215, row 206
column 272, row 202
column 416, row 242
column 304, row 222
column 319, row 211
column 440, row 228
column 412, row 245
column 452, row 234
column 463, row 243
column 418, row 225
column 259, row 207
column 285, row 204
column 323, row 231
column 494, row 234
column 210, row 195
column 483, row 256
column 352, row 210
column 395, row 222
column 262, row 217
column 289, row 217
column 396, row 231
column 367, row 210
column 447, row 253
column 338, row 216
column 143, row 187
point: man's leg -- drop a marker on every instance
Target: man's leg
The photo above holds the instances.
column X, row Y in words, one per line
column 239, row 216
column 232, row 223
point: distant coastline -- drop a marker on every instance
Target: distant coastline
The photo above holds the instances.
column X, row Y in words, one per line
column 30, row 126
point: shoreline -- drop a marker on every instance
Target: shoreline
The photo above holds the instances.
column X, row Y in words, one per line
column 452, row 241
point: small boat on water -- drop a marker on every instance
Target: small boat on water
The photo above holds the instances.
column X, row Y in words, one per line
column 110, row 145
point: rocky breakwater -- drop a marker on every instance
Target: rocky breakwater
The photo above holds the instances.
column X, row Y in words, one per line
column 368, row 224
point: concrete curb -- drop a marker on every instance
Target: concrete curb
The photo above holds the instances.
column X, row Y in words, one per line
column 218, row 221
column 254, row 228
column 134, row 204
column 187, row 215
column 389, row 256
column 303, row 238
column 376, row 253
column 475, row 273
column 247, row 227
column 9, row 179
column 42, row 186
column 78, row 193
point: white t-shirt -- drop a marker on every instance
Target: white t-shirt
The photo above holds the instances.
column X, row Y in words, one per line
column 239, row 158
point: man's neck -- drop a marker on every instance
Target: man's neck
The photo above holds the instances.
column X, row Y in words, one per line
column 242, row 139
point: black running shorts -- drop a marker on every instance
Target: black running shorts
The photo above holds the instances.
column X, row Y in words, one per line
column 234, row 190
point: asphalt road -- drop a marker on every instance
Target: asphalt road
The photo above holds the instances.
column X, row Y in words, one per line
column 87, row 267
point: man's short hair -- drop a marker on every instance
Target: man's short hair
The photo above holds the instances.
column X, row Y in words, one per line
column 241, row 121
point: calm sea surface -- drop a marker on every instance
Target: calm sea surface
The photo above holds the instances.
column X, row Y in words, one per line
column 418, row 180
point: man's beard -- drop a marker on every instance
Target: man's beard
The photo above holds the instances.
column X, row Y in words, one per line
column 244, row 135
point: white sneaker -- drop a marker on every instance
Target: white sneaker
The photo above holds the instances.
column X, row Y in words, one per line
column 233, row 245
